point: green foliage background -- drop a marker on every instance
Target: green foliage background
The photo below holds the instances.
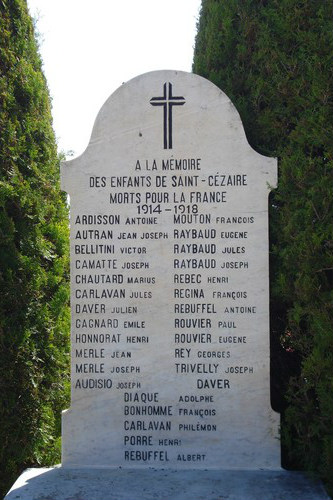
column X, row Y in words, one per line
column 274, row 59
column 34, row 267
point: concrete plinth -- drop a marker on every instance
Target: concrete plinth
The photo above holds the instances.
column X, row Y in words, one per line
column 60, row 483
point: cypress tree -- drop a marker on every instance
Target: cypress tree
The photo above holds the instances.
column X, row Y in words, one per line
column 274, row 60
column 34, row 294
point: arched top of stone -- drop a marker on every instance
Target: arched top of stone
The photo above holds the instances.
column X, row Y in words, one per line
column 169, row 114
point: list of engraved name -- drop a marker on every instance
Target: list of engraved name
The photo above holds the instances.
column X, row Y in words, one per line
column 165, row 240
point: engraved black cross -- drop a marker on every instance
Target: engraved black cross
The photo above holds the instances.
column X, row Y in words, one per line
column 167, row 100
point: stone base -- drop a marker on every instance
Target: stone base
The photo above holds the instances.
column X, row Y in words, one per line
column 61, row 483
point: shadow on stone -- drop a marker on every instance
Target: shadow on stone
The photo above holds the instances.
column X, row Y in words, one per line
column 158, row 484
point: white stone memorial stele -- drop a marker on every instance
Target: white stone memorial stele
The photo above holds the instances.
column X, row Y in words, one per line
column 170, row 376
column 169, row 284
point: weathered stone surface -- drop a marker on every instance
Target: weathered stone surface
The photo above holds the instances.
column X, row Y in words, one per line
column 169, row 280
column 156, row 484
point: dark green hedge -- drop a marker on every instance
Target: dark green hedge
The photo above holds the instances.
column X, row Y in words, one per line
column 274, row 59
column 34, row 293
